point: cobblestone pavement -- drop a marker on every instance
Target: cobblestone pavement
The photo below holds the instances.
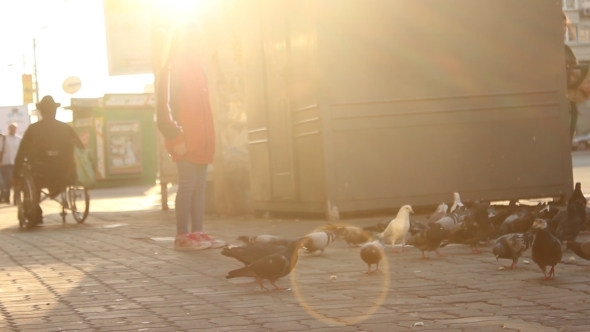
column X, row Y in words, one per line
column 117, row 272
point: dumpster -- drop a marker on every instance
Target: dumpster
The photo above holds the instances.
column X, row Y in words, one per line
column 120, row 132
column 358, row 106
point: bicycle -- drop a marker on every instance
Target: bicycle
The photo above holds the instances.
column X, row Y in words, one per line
column 74, row 198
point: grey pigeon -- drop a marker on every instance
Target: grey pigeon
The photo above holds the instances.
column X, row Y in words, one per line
column 271, row 267
column 452, row 219
column 521, row 220
column 317, row 241
column 372, row 253
column 440, row 212
column 517, row 223
column 248, row 254
column 512, row 246
column 581, row 249
column 546, row 248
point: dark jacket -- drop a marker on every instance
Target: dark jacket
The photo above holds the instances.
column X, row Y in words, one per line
column 48, row 147
column 570, row 57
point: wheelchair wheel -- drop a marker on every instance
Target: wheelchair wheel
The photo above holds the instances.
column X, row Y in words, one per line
column 79, row 202
column 27, row 201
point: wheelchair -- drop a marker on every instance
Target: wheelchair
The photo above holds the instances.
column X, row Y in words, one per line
column 28, row 196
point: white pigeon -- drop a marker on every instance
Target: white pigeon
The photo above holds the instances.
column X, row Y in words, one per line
column 317, row 241
column 456, row 202
column 398, row 228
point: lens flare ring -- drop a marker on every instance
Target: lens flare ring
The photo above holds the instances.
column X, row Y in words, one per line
column 344, row 321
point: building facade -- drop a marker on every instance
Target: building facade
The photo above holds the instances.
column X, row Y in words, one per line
column 578, row 11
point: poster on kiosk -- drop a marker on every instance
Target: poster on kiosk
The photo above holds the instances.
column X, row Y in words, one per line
column 16, row 114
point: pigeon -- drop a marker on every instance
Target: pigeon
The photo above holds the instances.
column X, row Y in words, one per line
column 440, row 212
column 317, row 241
column 379, row 228
column 512, row 246
column 554, row 222
column 581, row 249
column 248, row 254
column 354, row 236
column 521, row 223
column 501, row 216
column 522, row 217
column 456, row 202
column 453, row 218
column 372, row 253
column 569, row 228
column 476, row 227
column 416, row 227
column 460, row 232
column 257, row 239
column 578, row 195
column 398, row 228
column 428, row 239
column 546, row 249
column 547, row 212
column 271, row 267
column 586, row 225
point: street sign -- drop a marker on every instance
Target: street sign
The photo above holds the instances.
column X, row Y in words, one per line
column 72, row 85
column 18, row 114
column 28, row 89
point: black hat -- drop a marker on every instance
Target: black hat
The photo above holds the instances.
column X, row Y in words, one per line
column 47, row 101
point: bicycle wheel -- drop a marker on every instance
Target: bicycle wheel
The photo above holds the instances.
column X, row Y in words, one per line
column 64, row 202
column 79, row 202
column 27, row 201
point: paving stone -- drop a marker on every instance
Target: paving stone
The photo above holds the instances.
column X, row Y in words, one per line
column 286, row 326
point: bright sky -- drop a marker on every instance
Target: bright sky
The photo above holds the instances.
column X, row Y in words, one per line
column 71, row 41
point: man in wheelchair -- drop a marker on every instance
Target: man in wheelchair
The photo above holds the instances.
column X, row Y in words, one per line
column 47, row 150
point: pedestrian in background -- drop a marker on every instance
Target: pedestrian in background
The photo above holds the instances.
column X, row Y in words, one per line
column 47, row 148
column 10, row 145
column 578, row 80
column 185, row 120
column 570, row 60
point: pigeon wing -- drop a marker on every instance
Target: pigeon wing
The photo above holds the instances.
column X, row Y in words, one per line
column 252, row 253
column 271, row 267
column 518, row 243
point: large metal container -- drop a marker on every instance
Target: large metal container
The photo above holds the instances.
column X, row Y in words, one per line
column 368, row 105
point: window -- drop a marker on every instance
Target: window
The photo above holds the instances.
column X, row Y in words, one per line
column 570, row 4
column 571, row 33
column 583, row 34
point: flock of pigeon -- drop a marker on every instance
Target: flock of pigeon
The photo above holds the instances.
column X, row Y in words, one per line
column 515, row 228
